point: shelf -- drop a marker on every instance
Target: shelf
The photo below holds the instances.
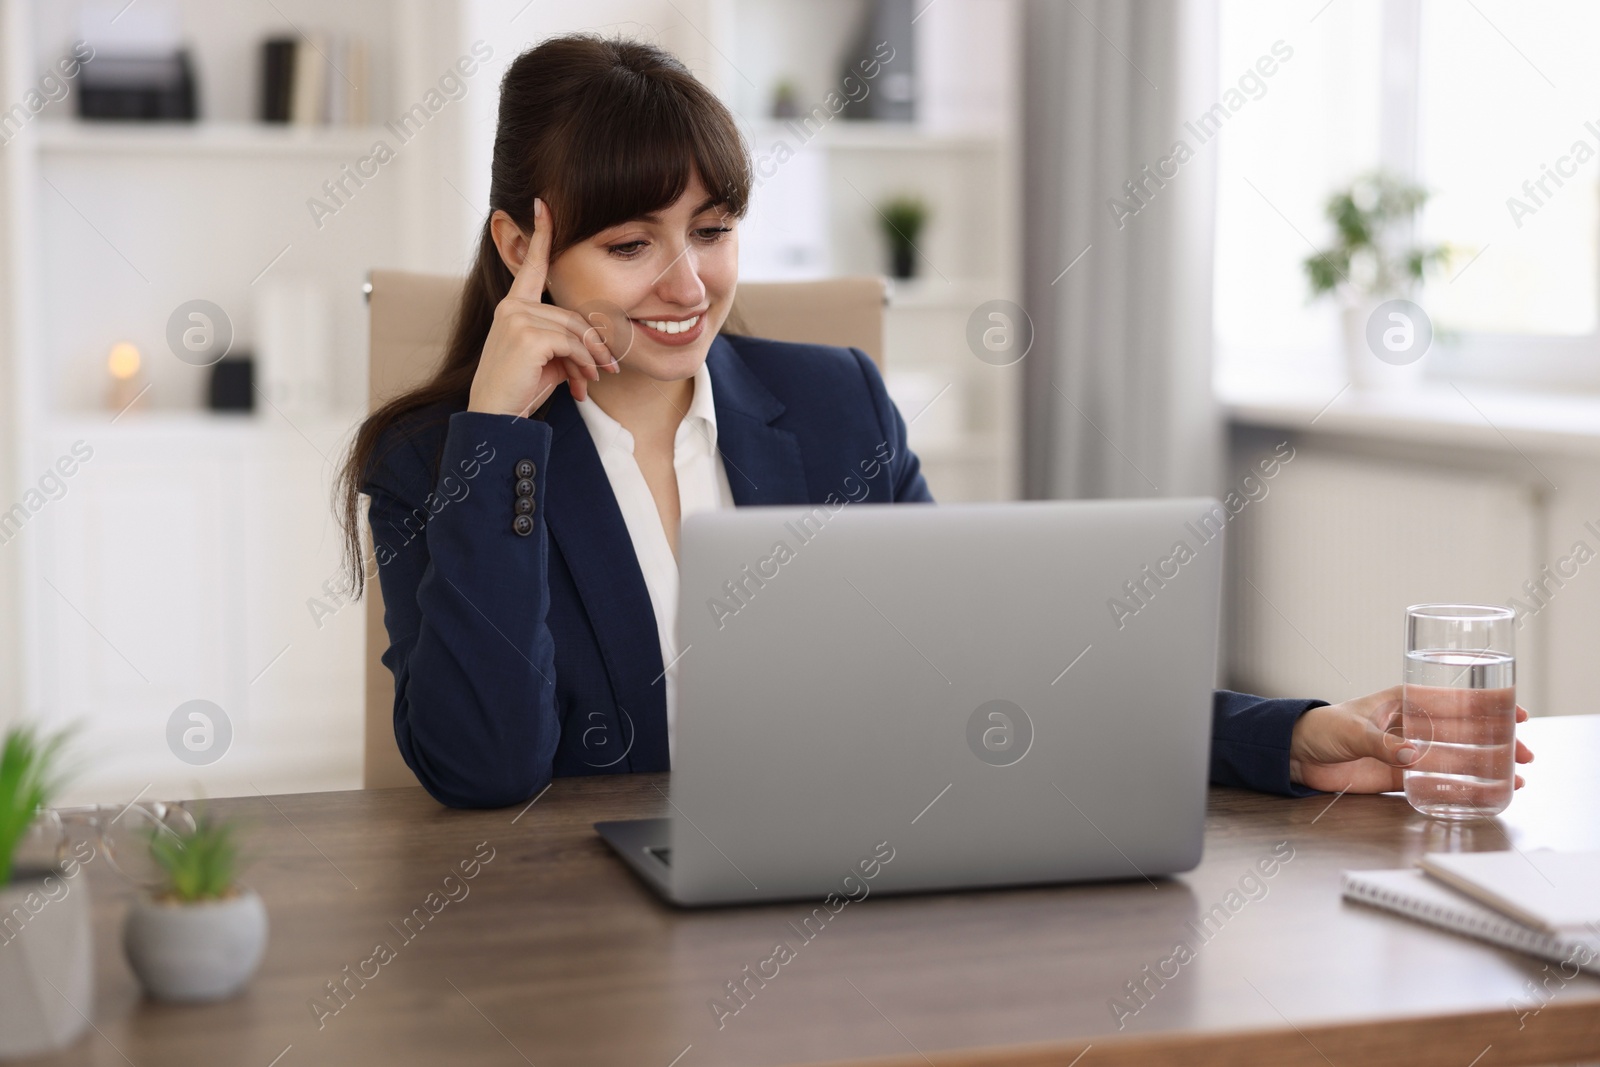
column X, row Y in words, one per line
column 206, row 138
column 168, row 424
column 859, row 135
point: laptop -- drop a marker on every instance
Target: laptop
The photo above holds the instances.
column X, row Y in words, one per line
column 907, row 698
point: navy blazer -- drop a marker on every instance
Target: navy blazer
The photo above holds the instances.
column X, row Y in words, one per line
column 522, row 656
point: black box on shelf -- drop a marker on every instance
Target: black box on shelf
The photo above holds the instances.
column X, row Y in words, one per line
column 233, row 384
column 139, row 88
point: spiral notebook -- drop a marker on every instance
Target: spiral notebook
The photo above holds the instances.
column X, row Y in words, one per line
column 1412, row 893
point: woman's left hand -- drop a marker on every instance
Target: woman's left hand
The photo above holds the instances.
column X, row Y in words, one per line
column 1357, row 746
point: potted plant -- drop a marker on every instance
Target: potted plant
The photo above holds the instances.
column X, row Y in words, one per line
column 903, row 219
column 201, row 935
column 785, row 99
column 46, row 960
column 1371, row 262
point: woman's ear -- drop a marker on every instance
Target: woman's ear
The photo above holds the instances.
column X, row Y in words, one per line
column 508, row 239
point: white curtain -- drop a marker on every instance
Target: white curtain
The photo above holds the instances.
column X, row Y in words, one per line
column 1118, row 383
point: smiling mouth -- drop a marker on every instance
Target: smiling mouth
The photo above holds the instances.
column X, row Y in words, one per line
column 671, row 326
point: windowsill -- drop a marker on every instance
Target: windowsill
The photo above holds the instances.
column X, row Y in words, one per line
column 1471, row 415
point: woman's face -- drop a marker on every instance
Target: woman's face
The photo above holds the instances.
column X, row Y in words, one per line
column 671, row 274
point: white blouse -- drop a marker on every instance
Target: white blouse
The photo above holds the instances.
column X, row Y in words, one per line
column 702, row 486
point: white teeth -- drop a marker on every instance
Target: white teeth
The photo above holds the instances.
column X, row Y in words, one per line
column 671, row 327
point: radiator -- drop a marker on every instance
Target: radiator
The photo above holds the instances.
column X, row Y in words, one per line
column 1323, row 567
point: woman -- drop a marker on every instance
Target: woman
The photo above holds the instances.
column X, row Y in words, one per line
column 526, row 501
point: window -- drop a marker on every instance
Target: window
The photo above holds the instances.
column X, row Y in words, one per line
column 1491, row 105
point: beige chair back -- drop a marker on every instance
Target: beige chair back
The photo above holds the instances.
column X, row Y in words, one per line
column 410, row 324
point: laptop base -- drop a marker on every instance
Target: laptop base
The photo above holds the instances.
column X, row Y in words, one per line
column 644, row 845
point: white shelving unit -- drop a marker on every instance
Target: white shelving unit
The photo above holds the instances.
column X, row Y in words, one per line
column 184, row 559
column 62, row 138
column 960, row 156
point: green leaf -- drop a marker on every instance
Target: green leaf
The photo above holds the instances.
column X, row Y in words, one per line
column 903, row 218
column 199, row 864
column 1326, row 270
column 31, row 777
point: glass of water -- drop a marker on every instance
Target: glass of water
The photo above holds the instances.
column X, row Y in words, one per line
column 1460, row 709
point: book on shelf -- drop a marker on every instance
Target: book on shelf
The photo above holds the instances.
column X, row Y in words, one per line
column 317, row 79
column 277, row 68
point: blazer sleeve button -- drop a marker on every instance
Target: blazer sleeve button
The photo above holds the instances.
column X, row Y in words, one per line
column 525, row 468
column 524, row 505
column 523, row 525
column 525, row 487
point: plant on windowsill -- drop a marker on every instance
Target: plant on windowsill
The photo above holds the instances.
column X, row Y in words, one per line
column 1371, row 262
column 200, row 936
column 903, row 219
column 46, row 954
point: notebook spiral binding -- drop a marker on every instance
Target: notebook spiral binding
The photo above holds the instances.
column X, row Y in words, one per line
column 1472, row 919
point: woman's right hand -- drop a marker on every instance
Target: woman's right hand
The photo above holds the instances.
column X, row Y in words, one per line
column 1357, row 746
column 532, row 346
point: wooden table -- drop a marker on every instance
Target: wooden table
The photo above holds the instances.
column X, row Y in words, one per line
column 556, row 955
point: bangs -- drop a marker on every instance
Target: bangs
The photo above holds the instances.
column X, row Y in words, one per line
column 632, row 148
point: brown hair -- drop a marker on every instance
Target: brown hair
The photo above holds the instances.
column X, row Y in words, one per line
column 603, row 130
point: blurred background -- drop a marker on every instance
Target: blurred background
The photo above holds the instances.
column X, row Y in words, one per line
column 1333, row 262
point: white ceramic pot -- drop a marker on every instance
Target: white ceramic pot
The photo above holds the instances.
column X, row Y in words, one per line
column 1362, row 364
column 206, row 950
column 46, row 962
